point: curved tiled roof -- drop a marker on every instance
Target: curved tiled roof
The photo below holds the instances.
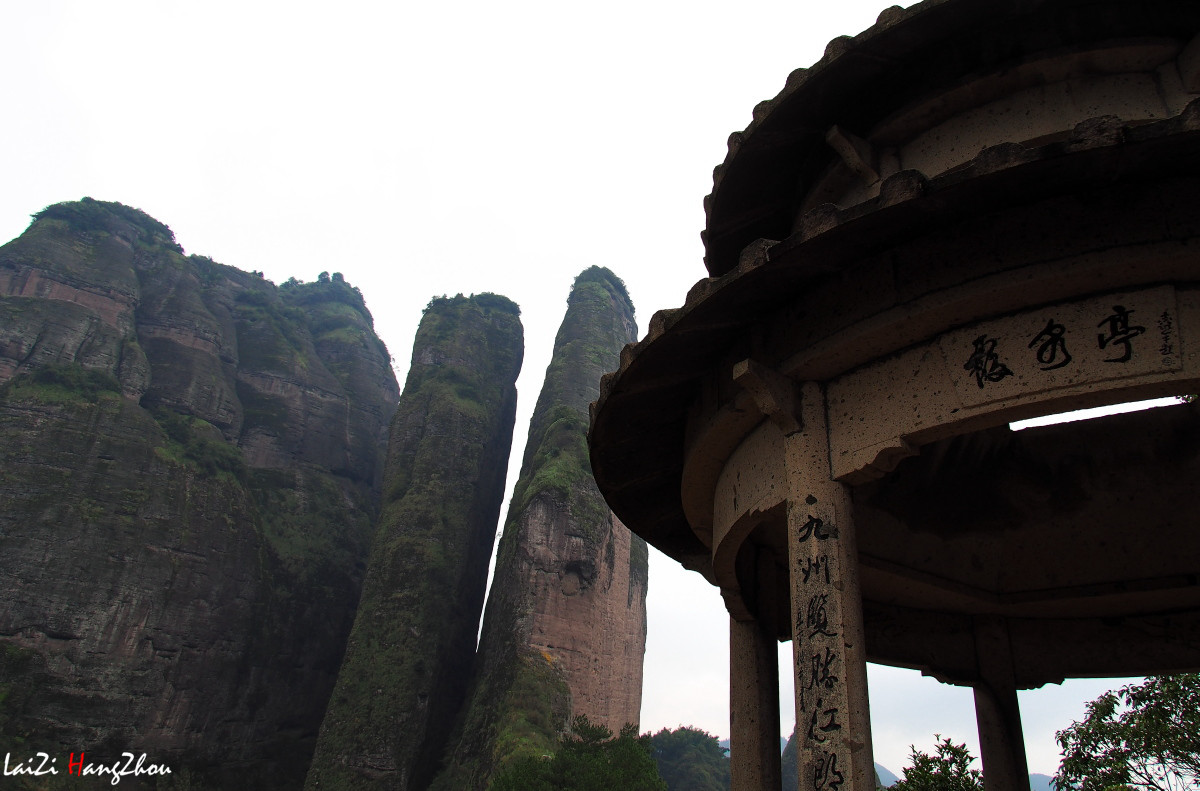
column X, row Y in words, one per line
column 862, row 79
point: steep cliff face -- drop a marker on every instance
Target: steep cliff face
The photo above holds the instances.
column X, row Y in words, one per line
column 408, row 662
column 565, row 627
column 190, row 466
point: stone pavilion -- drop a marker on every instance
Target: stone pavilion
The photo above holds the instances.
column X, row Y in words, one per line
column 975, row 212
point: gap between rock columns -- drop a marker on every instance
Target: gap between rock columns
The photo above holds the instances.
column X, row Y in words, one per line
column 833, row 720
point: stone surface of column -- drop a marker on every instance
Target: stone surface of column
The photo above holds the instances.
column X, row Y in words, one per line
column 997, row 711
column 832, row 717
column 753, row 708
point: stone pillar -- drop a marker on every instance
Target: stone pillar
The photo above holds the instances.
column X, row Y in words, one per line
column 832, row 717
column 753, row 708
column 997, row 711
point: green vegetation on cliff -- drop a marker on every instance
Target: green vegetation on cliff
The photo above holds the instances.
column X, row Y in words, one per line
column 91, row 216
column 535, row 709
column 409, row 656
column 62, row 384
column 193, row 441
column 599, row 322
column 335, row 313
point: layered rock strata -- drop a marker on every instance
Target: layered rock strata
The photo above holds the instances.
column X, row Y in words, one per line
column 565, row 626
column 190, row 468
column 408, row 662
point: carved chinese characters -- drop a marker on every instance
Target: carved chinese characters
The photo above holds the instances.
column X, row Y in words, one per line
column 1069, row 353
column 984, row 364
column 1114, row 336
column 1052, row 353
column 818, row 648
column 833, row 723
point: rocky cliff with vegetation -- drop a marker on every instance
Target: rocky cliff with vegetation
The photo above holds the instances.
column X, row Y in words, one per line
column 190, row 467
column 410, row 654
column 565, row 626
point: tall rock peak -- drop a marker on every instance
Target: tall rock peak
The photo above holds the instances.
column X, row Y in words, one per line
column 565, row 627
column 191, row 464
column 408, row 663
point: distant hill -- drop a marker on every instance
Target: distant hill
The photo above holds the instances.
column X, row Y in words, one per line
column 886, row 777
column 1041, row 782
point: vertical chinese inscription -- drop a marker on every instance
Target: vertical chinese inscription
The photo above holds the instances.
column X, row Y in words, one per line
column 817, row 620
column 825, row 773
column 819, row 650
column 823, row 721
column 1166, row 332
column 817, row 567
column 833, row 733
column 816, row 527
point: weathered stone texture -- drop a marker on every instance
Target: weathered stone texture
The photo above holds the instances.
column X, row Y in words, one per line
column 565, row 625
column 589, row 614
column 408, row 662
column 170, row 586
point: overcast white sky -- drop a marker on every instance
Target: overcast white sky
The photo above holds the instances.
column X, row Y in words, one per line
column 434, row 148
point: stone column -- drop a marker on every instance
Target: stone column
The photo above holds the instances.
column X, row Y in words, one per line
column 997, row 711
column 832, row 717
column 753, row 708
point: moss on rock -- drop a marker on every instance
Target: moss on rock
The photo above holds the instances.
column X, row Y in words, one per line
column 184, row 527
column 408, row 660
column 521, row 702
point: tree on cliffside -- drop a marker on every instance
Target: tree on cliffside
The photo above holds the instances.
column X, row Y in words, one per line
column 1144, row 736
column 588, row 759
